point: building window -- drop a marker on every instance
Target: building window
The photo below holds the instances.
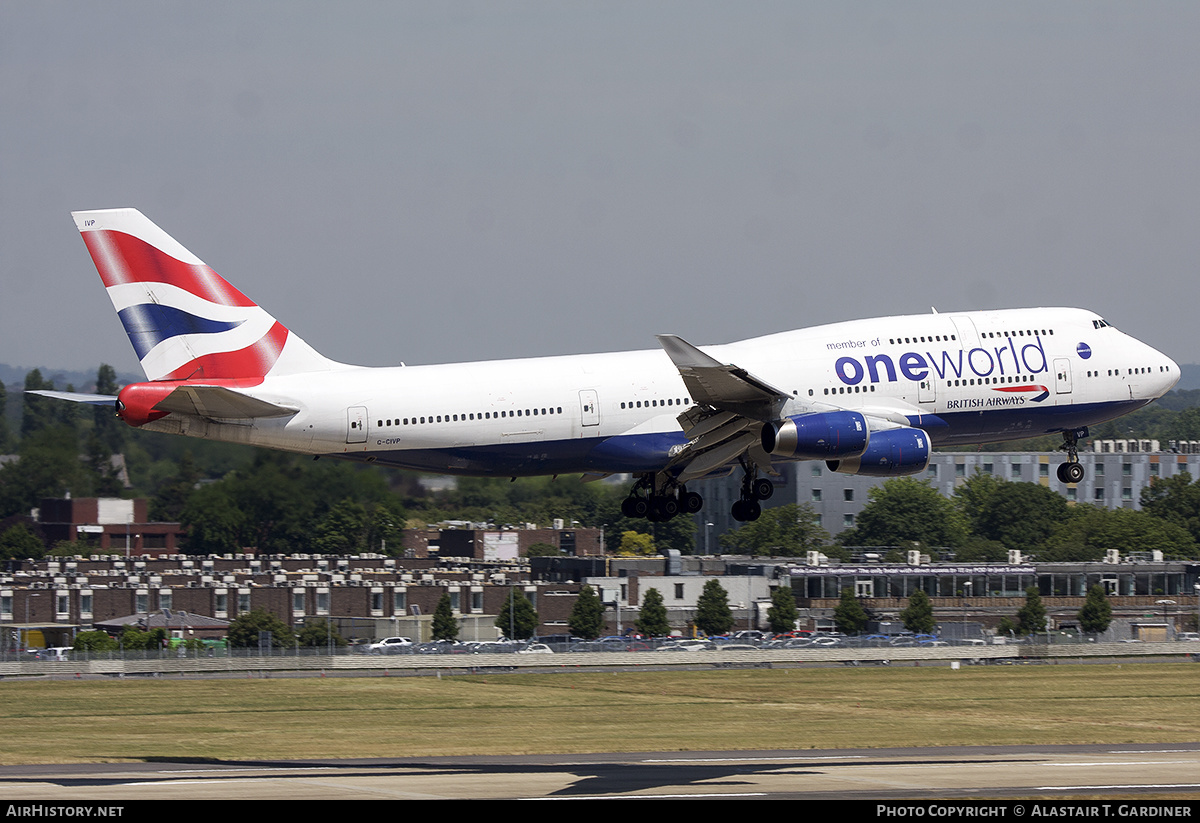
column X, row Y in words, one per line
column 848, row 495
column 164, row 599
column 1099, row 469
column 931, row 470
column 678, row 591
column 243, row 602
column 1016, row 469
column 1043, row 469
column 848, row 520
column 816, row 495
column 399, row 601
column 1099, row 495
column 960, row 470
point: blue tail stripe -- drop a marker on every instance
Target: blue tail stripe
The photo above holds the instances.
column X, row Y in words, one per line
column 148, row 324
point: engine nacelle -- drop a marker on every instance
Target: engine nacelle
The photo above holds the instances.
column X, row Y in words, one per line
column 135, row 402
column 890, row 453
column 818, row 436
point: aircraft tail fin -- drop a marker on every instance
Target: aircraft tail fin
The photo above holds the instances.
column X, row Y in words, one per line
column 184, row 320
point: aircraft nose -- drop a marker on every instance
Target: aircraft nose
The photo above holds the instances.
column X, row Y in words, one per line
column 1168, row 373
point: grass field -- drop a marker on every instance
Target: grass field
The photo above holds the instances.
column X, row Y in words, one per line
column 94, row 721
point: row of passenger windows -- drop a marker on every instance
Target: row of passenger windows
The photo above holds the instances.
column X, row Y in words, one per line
column 648, row 404
column 456, row 418
column 946, row 338
column 1142, row 370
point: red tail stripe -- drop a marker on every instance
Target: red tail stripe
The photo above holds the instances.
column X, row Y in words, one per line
column 253, row 361
column 122, row 258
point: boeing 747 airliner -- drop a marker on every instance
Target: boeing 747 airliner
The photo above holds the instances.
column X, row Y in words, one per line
column 865, row 396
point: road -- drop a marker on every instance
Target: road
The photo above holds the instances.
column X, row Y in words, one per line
column 862, row 774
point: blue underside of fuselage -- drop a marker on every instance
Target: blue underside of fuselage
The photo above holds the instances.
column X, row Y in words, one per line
column 636, row 453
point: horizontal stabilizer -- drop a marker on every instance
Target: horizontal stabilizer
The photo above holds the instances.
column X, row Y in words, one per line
column 77, row 397
column 219, row 403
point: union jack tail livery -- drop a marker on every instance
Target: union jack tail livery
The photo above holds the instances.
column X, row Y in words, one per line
column 184, row 320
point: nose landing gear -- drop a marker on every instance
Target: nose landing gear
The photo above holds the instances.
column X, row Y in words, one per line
column 1072, row 471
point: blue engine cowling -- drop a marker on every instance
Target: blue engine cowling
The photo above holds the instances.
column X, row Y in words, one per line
column 890, row 453
column 819, row 436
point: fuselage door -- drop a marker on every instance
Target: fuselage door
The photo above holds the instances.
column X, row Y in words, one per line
column 589, row 408
column 356, row 424
column 1062, row 376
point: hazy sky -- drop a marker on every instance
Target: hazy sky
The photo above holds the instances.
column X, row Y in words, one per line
column 456, row 180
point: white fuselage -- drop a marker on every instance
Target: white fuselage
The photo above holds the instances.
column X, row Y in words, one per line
column 964, row 378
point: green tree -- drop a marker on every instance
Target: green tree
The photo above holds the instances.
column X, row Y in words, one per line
column 1021, row 515
column 782, row 531
column 108, row 429
column 781, row 616
column 634, row 544
column 1031, row 618
column 94, row 641
column 1090, row 531
column 4, row 430
column 1176, row 500
column 245, row 628
column 213, row 521
column 713, row 616
column 850, row 616
column 134, row 639
column 1096, row 614
column 318, row 634
column 19, row 542
column 343, row 529
column 918, row 616
column 517, row 619
column 587, row 615
column 652, row 620
column 905, row 511
column 542, row 550
column 445, row 626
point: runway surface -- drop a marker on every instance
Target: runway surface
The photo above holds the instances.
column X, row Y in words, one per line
column 862, row 774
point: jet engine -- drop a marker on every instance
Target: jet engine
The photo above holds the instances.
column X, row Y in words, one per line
column 817, row 436
column 891, row 453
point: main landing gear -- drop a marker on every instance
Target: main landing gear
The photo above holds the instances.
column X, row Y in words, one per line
column 754, row 489
column 1072, row 471
column 658, row 498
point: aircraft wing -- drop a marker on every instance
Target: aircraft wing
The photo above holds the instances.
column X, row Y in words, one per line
column 723, row 386
column 731, row 405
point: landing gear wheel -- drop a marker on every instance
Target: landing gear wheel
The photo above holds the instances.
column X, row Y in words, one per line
column 1071, row 473
column 635, row 507
column 762, row 489
column 746, row 511
column 691, row 502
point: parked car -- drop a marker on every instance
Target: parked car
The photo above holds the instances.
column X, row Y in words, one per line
column 391, row 645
